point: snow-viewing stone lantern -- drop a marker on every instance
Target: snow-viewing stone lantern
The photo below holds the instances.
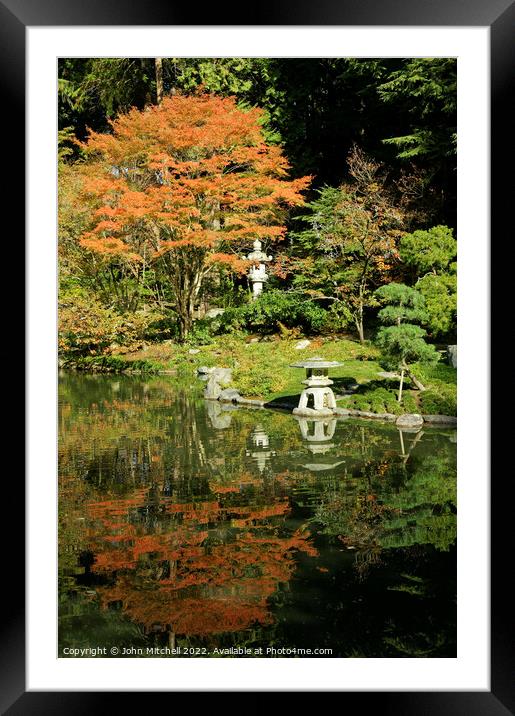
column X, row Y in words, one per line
column 257, row 273
column 317, row 398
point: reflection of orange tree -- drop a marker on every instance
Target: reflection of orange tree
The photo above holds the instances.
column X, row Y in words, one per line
column 207, row 568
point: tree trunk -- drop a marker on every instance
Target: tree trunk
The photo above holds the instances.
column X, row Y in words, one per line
column 416, row 382
column 400, row 385
column 159, row 79
column 358, row 320
column 185, row 323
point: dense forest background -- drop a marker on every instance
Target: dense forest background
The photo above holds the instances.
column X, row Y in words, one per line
column 373, row 134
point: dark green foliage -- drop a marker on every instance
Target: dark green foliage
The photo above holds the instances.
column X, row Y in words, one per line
column 381, row 400
column 431, row 257
column 439, row 401
column 203, row 331
column 440, row 295
column 274, row 308
column 404, row 304
column 441, row 396
column 402, row 344
column 405, row 344
column 431, row 250
column 427, row 89
column 436, row 373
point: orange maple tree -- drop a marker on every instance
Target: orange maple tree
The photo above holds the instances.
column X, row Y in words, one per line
column 187, row 184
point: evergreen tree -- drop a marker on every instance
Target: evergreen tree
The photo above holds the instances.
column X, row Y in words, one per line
column 403, row 344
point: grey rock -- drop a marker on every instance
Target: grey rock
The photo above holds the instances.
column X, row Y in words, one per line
column 192, row 351
column 204, row 370
column 223, row 376
column 409, row 421
column 372, row 416
column 441, row 419
column 228, row 395
column 302, row 344
column 388, row 374
column 309, row 412
column 452, row 356
column 214, row 312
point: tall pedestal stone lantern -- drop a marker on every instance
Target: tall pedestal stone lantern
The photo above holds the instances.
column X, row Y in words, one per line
column 257, row 273
column 317, row 398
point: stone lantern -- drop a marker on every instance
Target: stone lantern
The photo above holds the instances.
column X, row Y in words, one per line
column 318, row 392
column 257, row 273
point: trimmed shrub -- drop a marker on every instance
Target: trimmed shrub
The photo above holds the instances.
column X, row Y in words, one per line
column 441, row 400
column 273, row 309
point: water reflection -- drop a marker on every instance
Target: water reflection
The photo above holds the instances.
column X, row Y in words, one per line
column 260, row 451
column 184, row 521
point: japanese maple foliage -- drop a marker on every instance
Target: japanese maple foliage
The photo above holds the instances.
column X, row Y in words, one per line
column 189, row 184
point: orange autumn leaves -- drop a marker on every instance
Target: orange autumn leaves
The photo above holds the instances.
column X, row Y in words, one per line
column 192, row 173
column 181, row 574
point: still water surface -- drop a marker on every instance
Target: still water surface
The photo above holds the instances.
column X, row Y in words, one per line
column 185, row 523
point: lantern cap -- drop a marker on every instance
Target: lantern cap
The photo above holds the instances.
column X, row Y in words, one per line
column 316, row 362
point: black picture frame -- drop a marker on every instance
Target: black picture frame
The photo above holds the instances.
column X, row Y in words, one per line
column 499, row 16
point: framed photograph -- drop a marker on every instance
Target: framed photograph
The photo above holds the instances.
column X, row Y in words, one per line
column 252, row 251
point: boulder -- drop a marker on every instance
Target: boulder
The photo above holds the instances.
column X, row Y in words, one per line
column 441, row 419
column 192, row 351
column 229, row 395
column 223, row 376
column 311, row 412
column 204, row 370
column 212, row 389
column 409, row 421
column 452, row 356
column 302, row 344
column 217, row 378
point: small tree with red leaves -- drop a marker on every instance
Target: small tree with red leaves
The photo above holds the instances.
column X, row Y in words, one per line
column 187, row 185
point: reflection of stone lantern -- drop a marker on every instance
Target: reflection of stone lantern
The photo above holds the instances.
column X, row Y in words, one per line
column 257, row 273
column 318, row 434
column 318, row 392
column 260, row 452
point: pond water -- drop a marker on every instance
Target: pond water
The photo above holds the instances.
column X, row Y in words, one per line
column 187, row 528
